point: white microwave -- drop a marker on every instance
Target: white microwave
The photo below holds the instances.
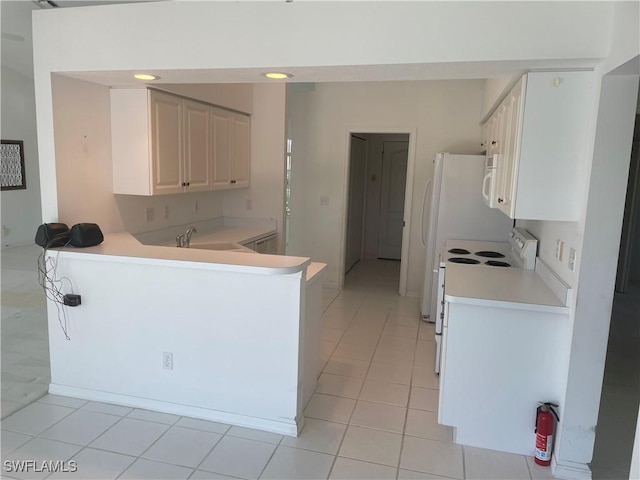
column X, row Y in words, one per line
column 490, row 181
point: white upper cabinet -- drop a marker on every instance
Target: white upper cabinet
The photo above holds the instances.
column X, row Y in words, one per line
column 166, row 144
column 544, row 121
column 231, row 156
column 196, row 146
column 163, row 144
column 241, row 148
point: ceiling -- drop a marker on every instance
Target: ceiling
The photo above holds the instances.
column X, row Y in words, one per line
column 17, row 45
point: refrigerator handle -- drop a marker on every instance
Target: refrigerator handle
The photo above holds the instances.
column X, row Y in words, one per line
column 424, row 201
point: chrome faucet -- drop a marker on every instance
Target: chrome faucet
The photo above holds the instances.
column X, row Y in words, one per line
column 184, row 239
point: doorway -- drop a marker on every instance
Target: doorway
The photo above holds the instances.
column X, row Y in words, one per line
column 377, row 198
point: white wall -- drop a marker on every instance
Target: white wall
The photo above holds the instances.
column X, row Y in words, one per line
column 266, row 192
column 597, row 269
column 21, row 213
column 445, row 115
column 239, row 364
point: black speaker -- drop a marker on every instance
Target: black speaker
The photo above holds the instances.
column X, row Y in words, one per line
column 50, row 235
column 85, row 235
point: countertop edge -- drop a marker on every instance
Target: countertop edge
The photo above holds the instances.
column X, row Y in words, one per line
column 123, row 247
column 484, row 302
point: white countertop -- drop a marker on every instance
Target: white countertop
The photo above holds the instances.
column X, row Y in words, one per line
column 500, row 287
column 124, row 247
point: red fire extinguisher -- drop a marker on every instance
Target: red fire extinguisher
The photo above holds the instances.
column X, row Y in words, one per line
column 546, row 417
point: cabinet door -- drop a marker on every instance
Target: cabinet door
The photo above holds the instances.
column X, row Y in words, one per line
column 491, row 135
column 196, row 150
column 498, row 138
column 241, row 150
column 509, row 160
column 485, row 136
column 220, row 148
column 166, row 141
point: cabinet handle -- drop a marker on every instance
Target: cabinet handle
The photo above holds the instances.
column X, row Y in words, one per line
column 188, row 183
column 184, row 184
column 482, row 144
column 500, row 200
column 233, row 181
column 493, row 142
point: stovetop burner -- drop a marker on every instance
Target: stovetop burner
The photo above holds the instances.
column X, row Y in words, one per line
column 468, row 261
column 459, row 251
column 496, row 263
column 489, row 254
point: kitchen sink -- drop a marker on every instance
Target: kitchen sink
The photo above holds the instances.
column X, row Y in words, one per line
column 222, row 246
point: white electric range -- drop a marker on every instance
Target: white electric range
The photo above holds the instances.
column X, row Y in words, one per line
column 519, row 252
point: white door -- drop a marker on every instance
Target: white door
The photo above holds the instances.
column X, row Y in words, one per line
column 394, row 178
column 357, row 163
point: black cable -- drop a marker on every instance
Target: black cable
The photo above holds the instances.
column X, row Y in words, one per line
column 51, row 285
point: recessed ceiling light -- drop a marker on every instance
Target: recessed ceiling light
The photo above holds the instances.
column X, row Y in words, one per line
column 277, row 75
column 145, row 76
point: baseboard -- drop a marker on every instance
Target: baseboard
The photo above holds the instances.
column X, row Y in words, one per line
column 290, row 429
column 570, row 470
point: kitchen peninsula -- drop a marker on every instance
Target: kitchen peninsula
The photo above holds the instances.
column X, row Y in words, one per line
column 227, row 336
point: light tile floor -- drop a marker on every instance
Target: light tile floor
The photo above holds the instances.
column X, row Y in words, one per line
column 373, row 415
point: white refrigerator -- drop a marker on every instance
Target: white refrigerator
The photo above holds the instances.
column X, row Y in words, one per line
column 455, row 212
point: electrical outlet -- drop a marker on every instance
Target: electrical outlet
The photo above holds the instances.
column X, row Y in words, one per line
column 150, row 214
column 249, row 204
column 559, row 249
column 324, row 201
column 167, row 361
column 166, row 212
column 572, row 259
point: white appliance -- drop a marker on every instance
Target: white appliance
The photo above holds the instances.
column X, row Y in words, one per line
column 456, row 211
column 490, row 181
column 519, row 252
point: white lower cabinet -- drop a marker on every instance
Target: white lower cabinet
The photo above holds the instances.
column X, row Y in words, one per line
column 497, row 363
column 267, row 244
column 164, row 144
